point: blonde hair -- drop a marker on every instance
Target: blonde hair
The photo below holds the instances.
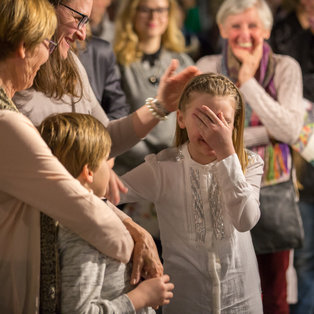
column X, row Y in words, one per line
column 59, row 77
column 216, row 85
column 25, row 21
column 126, row 44
column 76, row 140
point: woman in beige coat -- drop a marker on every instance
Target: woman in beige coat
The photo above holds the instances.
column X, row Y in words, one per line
column 32, row 179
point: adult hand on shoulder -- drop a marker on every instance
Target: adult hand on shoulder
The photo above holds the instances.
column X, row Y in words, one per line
column 216, row 131
column 171, row 85
column 146, row 262
column 250, row 62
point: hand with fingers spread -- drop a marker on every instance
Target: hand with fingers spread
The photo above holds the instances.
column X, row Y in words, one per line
column 152, row 292
column 171, row 84
column 215, row 131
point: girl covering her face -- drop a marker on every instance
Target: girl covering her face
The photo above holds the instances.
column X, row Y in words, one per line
column 206, row 192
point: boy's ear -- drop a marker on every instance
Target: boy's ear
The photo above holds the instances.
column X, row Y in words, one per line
column 86, row 175
column 180, row 119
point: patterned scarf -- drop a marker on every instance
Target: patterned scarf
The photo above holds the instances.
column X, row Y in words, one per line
column 276, row 155
column 5, row 102
column 49, row 271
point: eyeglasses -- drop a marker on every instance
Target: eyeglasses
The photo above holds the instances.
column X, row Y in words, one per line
column 145, row 11
column 51, row 45
column 82, row 21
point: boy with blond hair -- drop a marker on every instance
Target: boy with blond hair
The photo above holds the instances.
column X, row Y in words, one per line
column 90, row 281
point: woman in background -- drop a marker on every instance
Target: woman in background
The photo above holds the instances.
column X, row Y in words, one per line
column 272, row 88
column 147, row 39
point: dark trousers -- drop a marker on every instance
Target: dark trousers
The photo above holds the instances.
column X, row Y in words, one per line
column 273, row 268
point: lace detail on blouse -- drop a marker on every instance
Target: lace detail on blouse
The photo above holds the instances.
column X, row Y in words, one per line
column 197, row 205
column 215, row 206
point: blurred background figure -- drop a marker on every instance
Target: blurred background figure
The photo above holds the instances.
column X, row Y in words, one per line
column 293, row 34
column 190, row 24
column 98, row 59
column 272, row 88
column 101, row 22
column 147, row 38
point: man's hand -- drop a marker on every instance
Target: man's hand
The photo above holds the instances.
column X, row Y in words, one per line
column 171, row 85
column 146, row 262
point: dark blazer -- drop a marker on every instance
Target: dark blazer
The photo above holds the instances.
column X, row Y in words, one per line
column 104, row 76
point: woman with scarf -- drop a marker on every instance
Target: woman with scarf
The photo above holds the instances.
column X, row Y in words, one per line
column 31, row 177
column 272, row 88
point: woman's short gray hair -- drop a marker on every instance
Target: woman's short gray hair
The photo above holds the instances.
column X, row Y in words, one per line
column 231, row 7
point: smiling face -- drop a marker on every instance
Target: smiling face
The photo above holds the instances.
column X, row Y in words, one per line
column 68, row 22
column 151, row 18
column 244, row 30
column 199, row 150
column 31, row 63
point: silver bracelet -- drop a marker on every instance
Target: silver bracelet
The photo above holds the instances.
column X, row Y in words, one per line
column 156, row 108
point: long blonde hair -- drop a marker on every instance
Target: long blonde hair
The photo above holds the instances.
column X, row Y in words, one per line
column 126, row 44
column 216, row 85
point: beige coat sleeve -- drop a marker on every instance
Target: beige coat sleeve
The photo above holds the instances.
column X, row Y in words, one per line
column 31, row 174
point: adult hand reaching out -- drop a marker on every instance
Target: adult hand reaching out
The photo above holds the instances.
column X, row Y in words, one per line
column 171, row 85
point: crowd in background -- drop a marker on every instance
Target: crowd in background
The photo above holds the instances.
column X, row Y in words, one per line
column 292, row 35
column 116, row 64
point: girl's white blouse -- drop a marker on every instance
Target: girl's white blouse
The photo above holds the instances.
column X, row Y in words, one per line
column 205, row 215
